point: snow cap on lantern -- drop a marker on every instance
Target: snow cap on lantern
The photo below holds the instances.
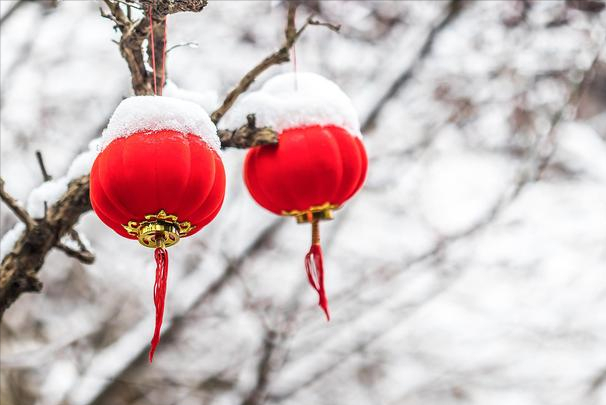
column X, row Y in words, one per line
column 291, row 100
column 151, row 113
column 319, row 162
column 158, row 178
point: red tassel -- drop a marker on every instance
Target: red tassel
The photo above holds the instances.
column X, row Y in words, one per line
column 315, row 274
column 161, row 256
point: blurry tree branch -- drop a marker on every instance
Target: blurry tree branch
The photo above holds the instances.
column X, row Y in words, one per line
column 177, row 321
column 81, row 253
column 452, row 11
column 257, row 394
column 45, row 4
column 16, row 6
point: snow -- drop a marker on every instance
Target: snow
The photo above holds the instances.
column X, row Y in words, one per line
column 48, row 192
column 82, row 163
column 153, row 113
column 10, row 238
column 460, row 186
column 582, row 150
column 297, row 99
column 208, row 100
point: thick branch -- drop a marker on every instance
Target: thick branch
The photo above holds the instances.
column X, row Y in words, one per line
column 247, row 136
column 134, row 33
column 19, row 267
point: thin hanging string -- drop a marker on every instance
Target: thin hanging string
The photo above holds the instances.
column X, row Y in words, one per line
column 153, row 47
column 314, row 267
column 294, row 66
column 164, row 55
column 161, row 256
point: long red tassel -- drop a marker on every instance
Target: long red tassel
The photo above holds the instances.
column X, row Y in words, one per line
column 161, row 256
column 315, row 268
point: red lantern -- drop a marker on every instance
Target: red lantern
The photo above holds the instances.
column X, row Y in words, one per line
column 159, row 179
column 312, row 171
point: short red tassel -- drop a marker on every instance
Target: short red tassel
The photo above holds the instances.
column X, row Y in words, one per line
column 161, row 256
column 315, row 268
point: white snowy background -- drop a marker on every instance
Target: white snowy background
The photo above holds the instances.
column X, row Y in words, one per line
column 470, row 269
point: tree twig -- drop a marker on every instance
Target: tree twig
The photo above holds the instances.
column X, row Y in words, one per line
column 282, row 55
column 11, row 11
column 83, row 256
column 16, row 207
column 82, row 253
column 45, row 175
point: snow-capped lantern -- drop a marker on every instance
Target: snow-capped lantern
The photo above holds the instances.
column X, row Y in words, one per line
column 158, row 178
column 319, row 162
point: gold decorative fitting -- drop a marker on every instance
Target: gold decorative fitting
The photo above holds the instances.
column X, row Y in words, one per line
column 317, row 213
column 159, row 230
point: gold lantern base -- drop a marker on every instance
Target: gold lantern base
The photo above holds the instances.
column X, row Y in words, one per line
column 313, row 214
column 158, row 230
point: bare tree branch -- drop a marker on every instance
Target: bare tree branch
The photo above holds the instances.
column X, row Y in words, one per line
column 179, row 321
column 82, row 253
column 453, row 10
column 282, row 55
column 85, row 257
column 45, row 175
column 259, row 391
column 16, row 207
column 11, row 11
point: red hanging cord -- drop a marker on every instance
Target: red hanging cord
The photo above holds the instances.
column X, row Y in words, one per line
column 161, row 256
column 315, row 267
column 153, row 47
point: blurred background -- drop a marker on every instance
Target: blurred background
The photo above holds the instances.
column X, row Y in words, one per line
column 470, row 269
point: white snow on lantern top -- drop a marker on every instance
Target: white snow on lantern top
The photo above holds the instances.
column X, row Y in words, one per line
column 293, row 100
column 154, row 113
